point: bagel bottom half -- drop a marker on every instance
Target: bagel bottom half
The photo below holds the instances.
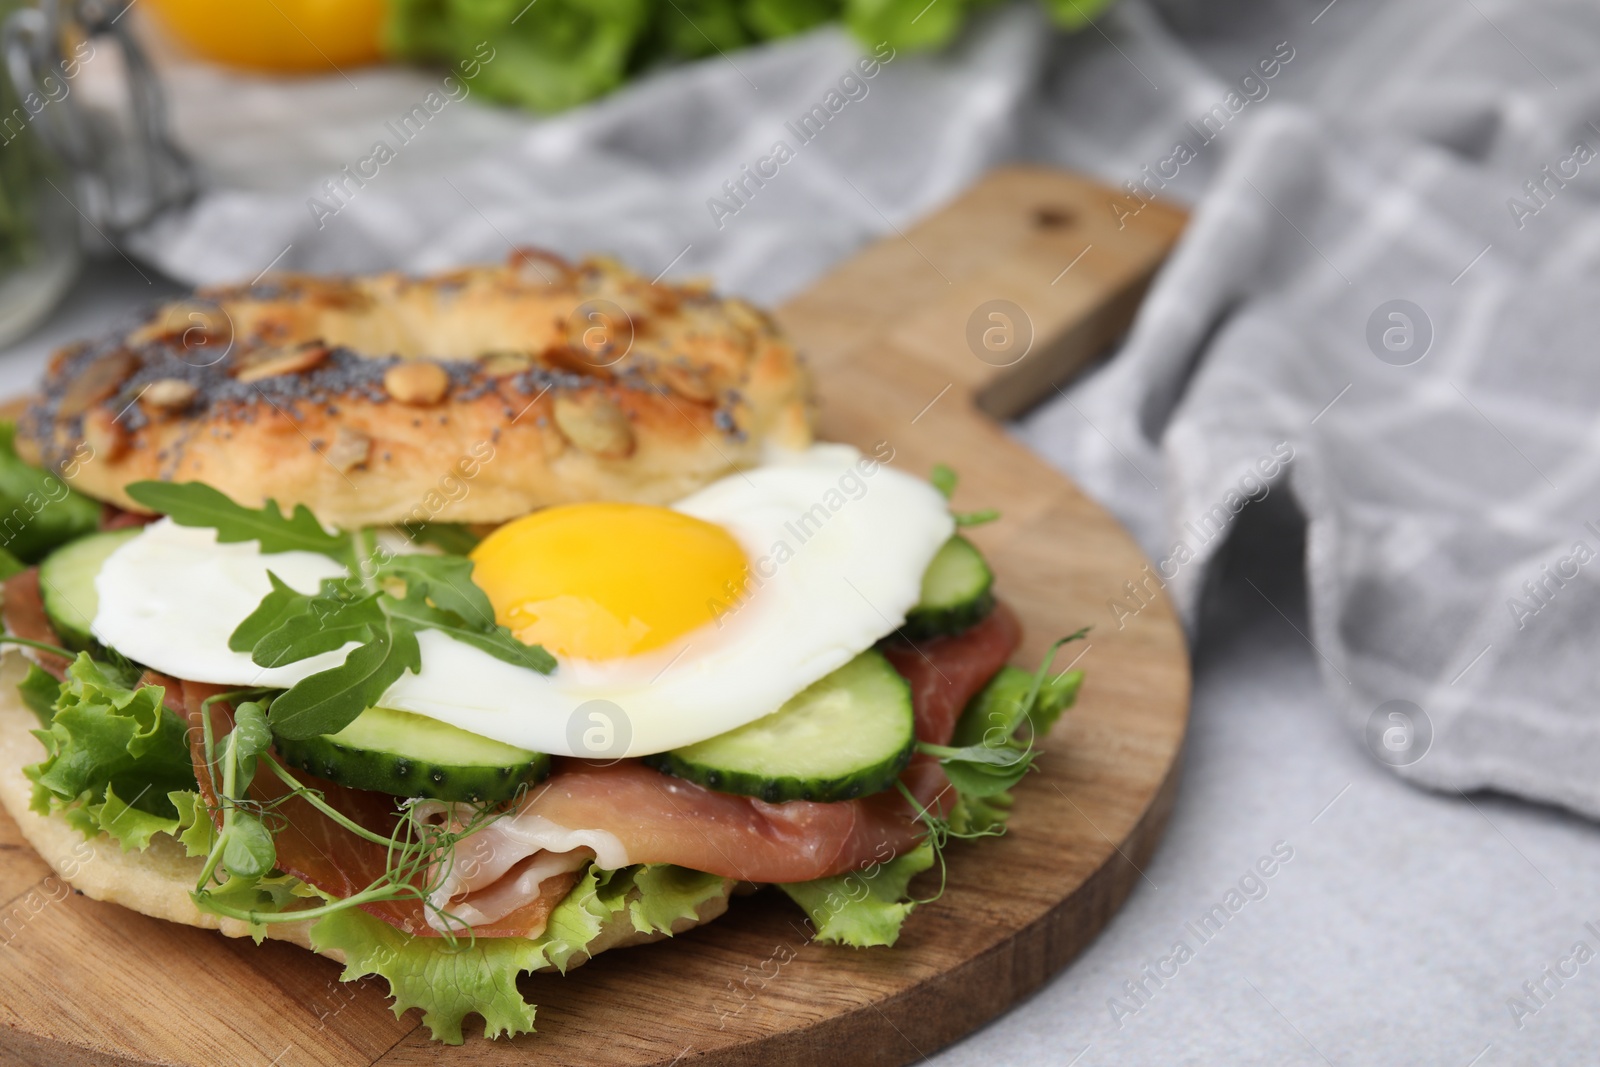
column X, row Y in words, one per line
column 157, row 881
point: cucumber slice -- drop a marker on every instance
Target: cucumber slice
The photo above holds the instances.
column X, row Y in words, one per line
column 848, row 735
column 956, row 592
column 66, row 583
column 410, row 755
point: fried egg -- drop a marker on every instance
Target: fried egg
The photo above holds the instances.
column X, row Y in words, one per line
column 668, row 625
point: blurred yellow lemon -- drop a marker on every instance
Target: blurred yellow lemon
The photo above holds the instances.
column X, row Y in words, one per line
column 277, row 35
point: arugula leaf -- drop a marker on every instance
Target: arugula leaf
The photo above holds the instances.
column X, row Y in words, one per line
column 498, row 642
column 452, row 537
column 326, row 623
column 449, row 981
column 289, row 626
column 277, row 608
column 110, row 744
column 330, row 700
column 386, row 626
column 445, row 580
column 863, row 908
column 975, row 518
column 198, row 504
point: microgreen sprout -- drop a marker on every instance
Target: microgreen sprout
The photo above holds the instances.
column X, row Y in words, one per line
column 998, row 731
column 416, row 851
column 944, row 479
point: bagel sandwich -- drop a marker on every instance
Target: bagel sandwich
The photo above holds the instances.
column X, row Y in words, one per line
column 643, row 644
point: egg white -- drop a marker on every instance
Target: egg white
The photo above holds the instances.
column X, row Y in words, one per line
column 170, row 597
column 837, row 545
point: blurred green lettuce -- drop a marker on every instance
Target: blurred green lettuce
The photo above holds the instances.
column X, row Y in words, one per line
column 549, row 55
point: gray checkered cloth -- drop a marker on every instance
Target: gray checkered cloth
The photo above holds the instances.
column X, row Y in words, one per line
column 1412, row 314
column 1382, row 281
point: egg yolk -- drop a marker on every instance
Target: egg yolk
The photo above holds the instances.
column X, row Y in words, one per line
column 600, row 581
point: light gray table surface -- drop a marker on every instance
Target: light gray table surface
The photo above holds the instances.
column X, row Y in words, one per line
column 1394, row 935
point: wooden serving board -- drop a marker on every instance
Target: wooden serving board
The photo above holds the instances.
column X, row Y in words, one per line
column 83, row 982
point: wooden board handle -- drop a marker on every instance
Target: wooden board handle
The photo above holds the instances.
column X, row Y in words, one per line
column 1007, row 292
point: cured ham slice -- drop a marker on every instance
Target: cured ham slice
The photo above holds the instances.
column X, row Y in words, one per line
column 320, row 852
column 626, row 813
column 115, row 518
column 24, row 617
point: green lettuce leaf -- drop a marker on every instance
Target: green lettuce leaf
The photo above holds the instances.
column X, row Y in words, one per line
column 195, row 832
column 990, row 722
column 909, row 24
column 39, row 691
column 1000, row 707
column 37, row 509
column 114, row 754
column 690, row 29
column 863, row 908
column 980, row 816
column 449, row 981
column 545, row 56
column 1075, row 14
column 556, row 54
column 780, row 18
column 131, row 827
column 667, row 894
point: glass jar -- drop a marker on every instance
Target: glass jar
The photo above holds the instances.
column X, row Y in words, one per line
column 73, row 179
